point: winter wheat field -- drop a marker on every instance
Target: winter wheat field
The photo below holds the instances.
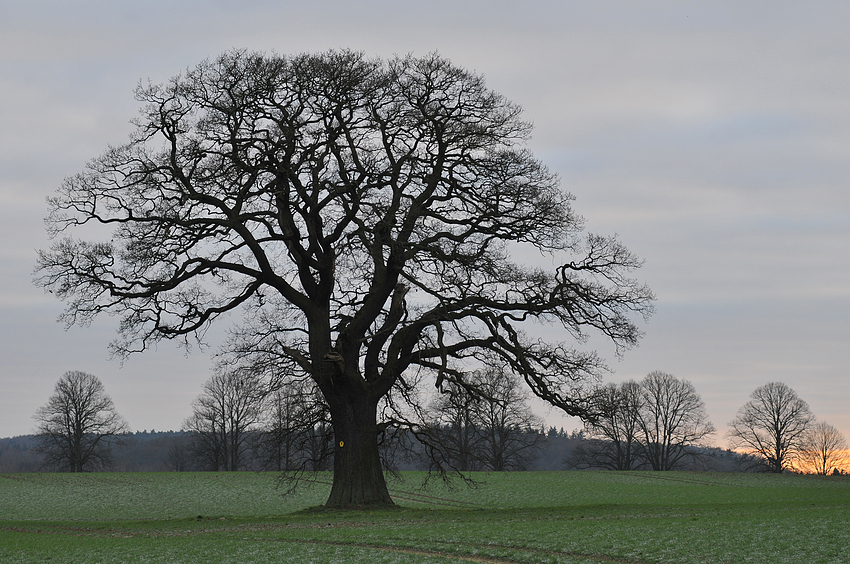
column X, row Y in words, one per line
column 557, row 517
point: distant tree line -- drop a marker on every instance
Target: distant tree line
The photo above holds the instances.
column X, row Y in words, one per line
column 239, row 422
column 170, row 451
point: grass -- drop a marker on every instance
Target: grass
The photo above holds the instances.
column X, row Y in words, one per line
column 558, row 517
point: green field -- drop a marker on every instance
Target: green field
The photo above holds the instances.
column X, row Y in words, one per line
column 569, row 517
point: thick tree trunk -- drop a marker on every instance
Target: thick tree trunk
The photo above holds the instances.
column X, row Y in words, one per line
column 358, row 477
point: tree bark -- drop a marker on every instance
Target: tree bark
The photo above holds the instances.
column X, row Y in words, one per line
column 358, row 477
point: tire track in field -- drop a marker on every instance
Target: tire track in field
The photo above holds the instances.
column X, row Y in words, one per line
column 400, row 550
column 481, row 559
column 418, row 498
column 702, row 482
column 429, row 499
column 465, row 557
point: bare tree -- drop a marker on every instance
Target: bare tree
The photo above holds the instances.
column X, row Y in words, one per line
column 363, row 211
column 178, row 458
column 224, row 416
column 509, row 429
column 79, row 425
column 613, row 437
column 482, row 422
column 772, row 425
column 672, row 418
column 824, row 450
column 296, row 430
column 453, row 438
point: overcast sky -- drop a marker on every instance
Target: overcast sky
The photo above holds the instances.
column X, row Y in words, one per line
column 713, row 137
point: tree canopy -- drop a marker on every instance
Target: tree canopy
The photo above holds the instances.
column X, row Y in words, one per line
column 656, row 423
column 372, row 218
column 78, row 425
column 772, row 426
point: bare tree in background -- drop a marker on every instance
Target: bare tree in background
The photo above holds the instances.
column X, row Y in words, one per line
column 482, row 422
column 279, row 445
column 224, row 415
column 362, row 213
column 655, row 423
column 453, row 439
column 79, row 424
column 297, row 432
column 772, row 425
column 824, row 450
column 672, row 418
column 179, row 455
column 613, row 437
column 509, row 429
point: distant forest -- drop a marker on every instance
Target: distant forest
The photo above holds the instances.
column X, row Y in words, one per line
column 164, row 451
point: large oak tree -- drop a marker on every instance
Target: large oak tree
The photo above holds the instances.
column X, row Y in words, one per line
column 371, row 211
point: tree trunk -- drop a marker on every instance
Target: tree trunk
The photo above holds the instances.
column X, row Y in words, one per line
column 358, row 477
